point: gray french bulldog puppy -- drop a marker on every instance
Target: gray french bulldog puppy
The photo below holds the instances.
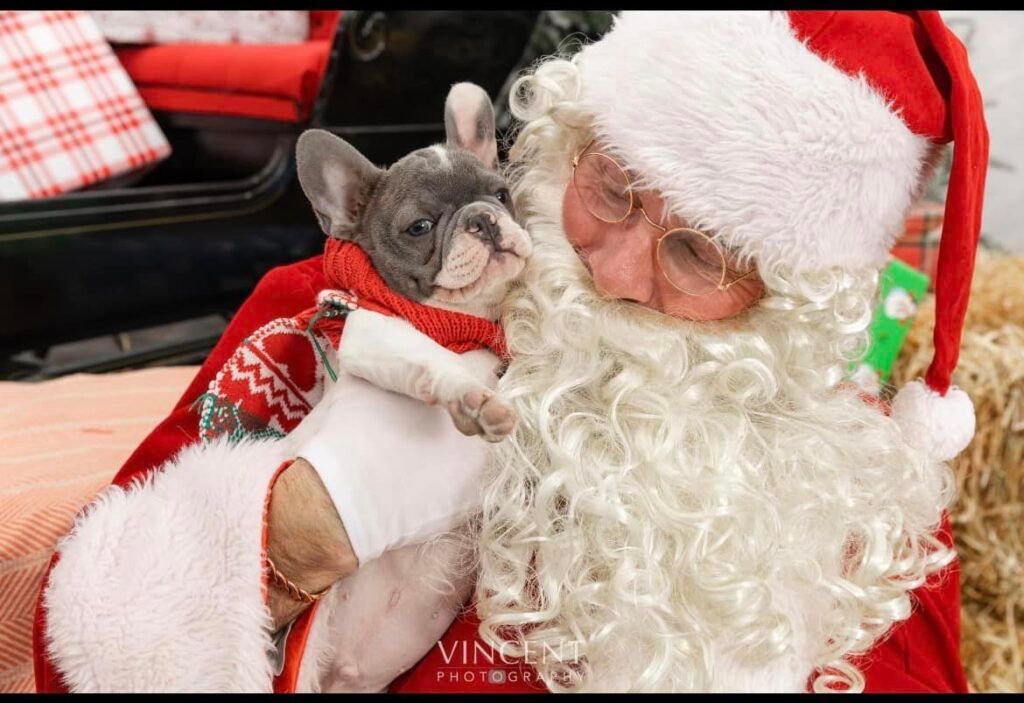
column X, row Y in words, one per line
column 440, row 228
column 439, row 224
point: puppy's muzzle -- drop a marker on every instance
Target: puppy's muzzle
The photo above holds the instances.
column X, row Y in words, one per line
column 484, row 224
column 495, row 228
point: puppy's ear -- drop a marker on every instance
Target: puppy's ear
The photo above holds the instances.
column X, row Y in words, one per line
column 336, row 178
column 469, row 122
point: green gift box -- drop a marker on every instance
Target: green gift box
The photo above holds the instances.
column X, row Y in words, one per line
column 900, row 290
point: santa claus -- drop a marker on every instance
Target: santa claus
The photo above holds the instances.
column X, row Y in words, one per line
column 693, row 499
column 690, row 498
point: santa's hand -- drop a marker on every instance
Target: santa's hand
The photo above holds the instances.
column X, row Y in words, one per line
column 397, row 470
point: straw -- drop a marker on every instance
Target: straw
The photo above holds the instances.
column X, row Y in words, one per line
column 988, row 518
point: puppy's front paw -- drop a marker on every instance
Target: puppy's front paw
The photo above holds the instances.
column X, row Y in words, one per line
column 481, row 412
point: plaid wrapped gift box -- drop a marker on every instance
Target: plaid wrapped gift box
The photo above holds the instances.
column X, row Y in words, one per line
column 69, row 114
column 206, row 26
column 919, row 244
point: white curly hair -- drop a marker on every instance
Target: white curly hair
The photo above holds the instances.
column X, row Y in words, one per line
column 689, row 506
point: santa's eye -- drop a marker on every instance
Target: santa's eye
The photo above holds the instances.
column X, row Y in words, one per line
column 420, row 227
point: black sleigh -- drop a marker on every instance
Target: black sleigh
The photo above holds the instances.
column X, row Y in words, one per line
column 191, row 237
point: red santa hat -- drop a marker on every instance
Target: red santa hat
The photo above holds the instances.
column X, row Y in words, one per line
column 801, row 139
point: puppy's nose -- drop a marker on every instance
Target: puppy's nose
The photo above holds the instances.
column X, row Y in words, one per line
column 485, row 226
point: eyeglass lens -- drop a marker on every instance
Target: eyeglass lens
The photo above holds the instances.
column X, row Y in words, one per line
column 691, row 262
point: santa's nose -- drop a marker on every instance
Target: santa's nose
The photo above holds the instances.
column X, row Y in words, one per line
column 623, row 267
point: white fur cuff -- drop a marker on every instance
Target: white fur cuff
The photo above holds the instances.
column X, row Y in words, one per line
column 159, row 586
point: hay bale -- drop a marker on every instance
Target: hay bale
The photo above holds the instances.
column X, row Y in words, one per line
column 988, row 518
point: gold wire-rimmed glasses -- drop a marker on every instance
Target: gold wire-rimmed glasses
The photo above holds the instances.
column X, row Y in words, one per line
column 691, row 261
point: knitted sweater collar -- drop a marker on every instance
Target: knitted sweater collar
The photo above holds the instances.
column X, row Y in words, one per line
column 348, row 268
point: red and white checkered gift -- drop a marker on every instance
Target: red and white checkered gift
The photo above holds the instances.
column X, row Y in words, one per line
column 919, row 245
column 206, row 26
column 69, row 114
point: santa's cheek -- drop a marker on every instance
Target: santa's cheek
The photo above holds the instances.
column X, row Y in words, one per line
column 716, row 306
column 579, row 226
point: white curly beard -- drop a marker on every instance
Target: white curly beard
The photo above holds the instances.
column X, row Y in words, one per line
column 693, row 506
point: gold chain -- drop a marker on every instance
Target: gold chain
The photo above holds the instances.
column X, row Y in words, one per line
column 293, row 590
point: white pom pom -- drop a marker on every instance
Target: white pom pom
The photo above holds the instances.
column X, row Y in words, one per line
column 940, row 425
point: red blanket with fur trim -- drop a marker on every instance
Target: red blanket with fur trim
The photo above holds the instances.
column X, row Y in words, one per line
column 273, row 326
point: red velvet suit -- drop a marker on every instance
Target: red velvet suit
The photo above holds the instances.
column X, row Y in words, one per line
column 920, row 655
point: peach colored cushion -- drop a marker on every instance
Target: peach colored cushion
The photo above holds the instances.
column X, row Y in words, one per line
column 60, row 442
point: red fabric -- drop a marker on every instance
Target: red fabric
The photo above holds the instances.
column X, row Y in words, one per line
column 922, row 653
column 965, row 194
column 322, row 24
column 264, row 81
column 69, row 116
column 915, row 61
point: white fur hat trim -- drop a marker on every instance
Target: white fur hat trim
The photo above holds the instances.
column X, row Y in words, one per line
column 752, row 136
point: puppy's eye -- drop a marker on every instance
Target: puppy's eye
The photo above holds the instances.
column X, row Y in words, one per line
column 420, row 227
column 503, row 196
